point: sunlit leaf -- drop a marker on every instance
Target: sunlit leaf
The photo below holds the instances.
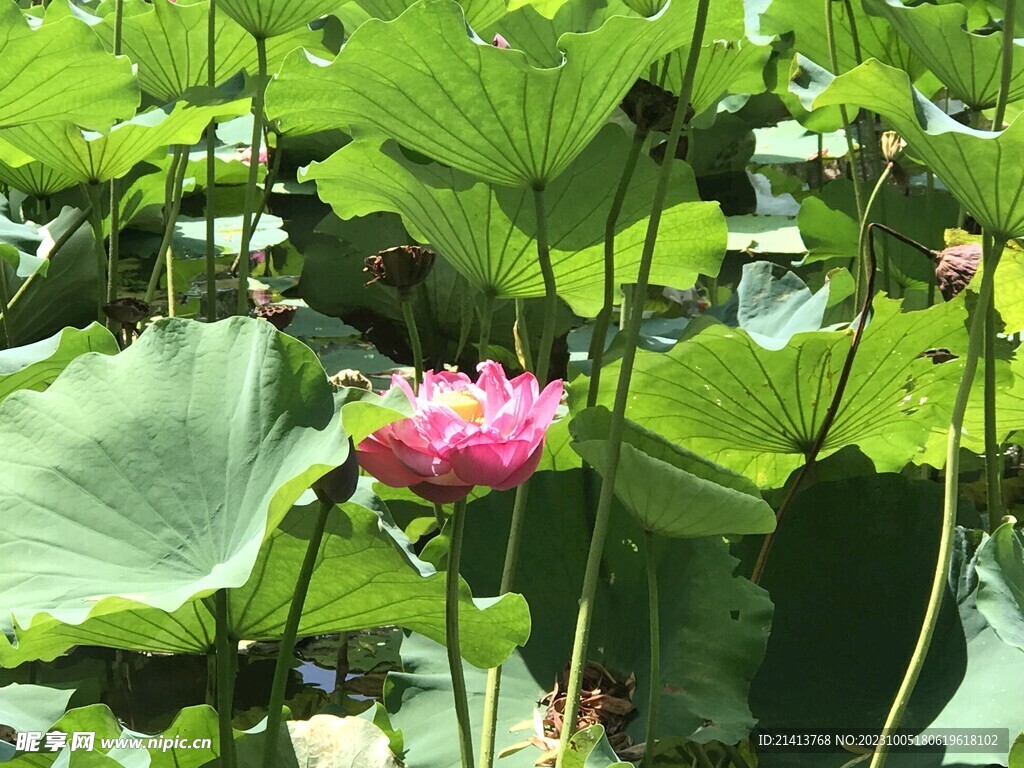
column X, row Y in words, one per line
column 35, row 366
column 1001, row 583
column 270, row 18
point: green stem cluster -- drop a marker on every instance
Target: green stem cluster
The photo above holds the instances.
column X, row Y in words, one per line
column 211, row 171
column 172, row 206
column 830, row 36
column 618, row 416
column 249, row 212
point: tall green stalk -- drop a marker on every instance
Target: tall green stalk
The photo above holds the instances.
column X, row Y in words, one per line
column 211, row 170
column 227, row 652
column 113, row 261
column 523, row 335
column 291, row 629
column 486, row 318
column 830, row 35
column 862, row 258
column 654, row 622
column 993, row 251
column 91, row 192
column 604, row 317
column 248, row 214
column 451, row 623
column 618, row 416
column 405, row 297
column 1006, row 71
column 547, row 336
column 5, row 321
column 172, row 206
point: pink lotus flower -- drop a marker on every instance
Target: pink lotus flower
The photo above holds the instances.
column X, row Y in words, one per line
column 463, row 434
column 247, row 155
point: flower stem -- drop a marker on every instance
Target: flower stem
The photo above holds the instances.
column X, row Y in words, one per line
column 226, row 657
column 618, row 416
column 405, row 300
column 4, row 319
column 92, row 196
column 172, row 205
column 604, row 317
column 291, row 629
column 508, row 575
column 248, row 217
column 486, row 316
column 522, row 333
column 211, row 171
column 654, row 615
column 451, row 622
column 1006, row 74
column 993, row 449
column 830, row 35
column 993, row 251
column 862, row 258
column 547, row 337
column 115, row 188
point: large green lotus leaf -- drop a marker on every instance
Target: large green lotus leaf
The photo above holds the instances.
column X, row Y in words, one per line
column 180, row 454
column 487, row 231
column 723, row 67
column 35, row 366
column 479, row 13
column 190, row 234
column 90, row 157
column 169, row 44
column 31, row 176
column 367, row 575
column 758, row 411
column 967, row 63
column 1001, row 583
column 32, row 707
column 270, row 18
column 972, row 164
column 714, row 627
column 326, row 741
column 693, row 496
column 806, row 21
column 60, row 72
column 1016, row 759
column 423, row 80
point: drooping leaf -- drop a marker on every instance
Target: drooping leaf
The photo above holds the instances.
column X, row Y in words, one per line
column 971, row 163
column 32, row 708
column 100, row 454
column 30, row 176
column 468, row 104
column 1001, row 583
column 366, row 576
column 487, row 231
column 968, row 64
column 90, row 157
column 758, row 411
column 270, row 18
column 35, row 366
column 60, row 72
column 326, row 741
column 479, row 13
column 723, row 67
column 169, row 44
column 693, row 496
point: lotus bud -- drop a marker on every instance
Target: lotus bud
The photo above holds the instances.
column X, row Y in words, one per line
column 278, row 315
column 892, row 146
column 650, row 107
column 402, row 267
column 499, row 42
column 338, row 485
column 351, row 379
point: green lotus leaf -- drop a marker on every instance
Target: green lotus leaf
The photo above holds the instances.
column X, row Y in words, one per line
column 364, row 412
column 21, row 172
column 758, row 412
column 29, row 708
column 424, row 81
column 479, row 13
column 190, row 234
column 168, row 42
column 90, row 157
column 972, row 164
column 967, row 63
column 1001, row 583
column 35, row 366
column 693, row 496
column 197, row 440
column 722, row 67
column 367, row 575
column 486, row 231
column 60, row 72
column 878, row 39
column 327, row 741
column 270, row 18
column 1016, row 759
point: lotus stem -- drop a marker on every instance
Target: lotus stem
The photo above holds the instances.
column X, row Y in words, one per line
column 451, row 621
column 172, row 206
column 82, row 218
column 862, row 259
column 618, row 416
column 1006, row 72
column 830, row 415
column 211, row 170
column 604, row 317
column 993, row 449
column 523, row 335
column 291, row 630
column 405, row 297
column 226, row 657
column 547, row 337
column 486, row 317
column 993, row 251
column 248, row 214
column 508, row 575
column 113, row 261
column 830, row 35
column 654, row 618
column 3, row 304
column 268, row 183
column 91, row 192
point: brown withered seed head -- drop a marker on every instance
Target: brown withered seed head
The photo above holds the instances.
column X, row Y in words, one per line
column 127, row 311
column 955, row 267
column 278, row 315
column 402, row 267
column 650, row 107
